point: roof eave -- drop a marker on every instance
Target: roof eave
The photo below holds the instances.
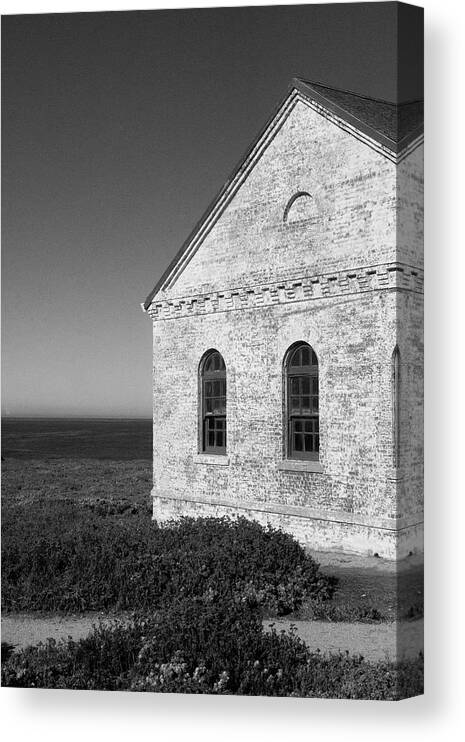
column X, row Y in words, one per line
column 214, row 201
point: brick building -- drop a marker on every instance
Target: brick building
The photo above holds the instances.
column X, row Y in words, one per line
column 287, row 333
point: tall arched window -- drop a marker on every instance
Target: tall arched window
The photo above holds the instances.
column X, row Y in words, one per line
column 213, row 403
column 395, row 391
column 302, row 408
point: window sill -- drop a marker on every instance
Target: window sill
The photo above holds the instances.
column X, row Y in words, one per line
column 395, row 475
column 211, row 458
column 300, row 465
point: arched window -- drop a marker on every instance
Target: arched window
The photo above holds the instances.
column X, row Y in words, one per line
column 213, row 403
column 302, row 408
column 395, row 391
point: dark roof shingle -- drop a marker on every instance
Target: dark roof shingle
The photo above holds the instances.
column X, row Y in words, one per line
column 391, row 120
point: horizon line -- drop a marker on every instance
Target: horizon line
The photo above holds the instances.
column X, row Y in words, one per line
column 75, row 417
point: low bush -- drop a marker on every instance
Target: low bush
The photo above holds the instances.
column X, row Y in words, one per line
column 202, row 646
column 7, row 651
column 66, row 558
column 345, row 612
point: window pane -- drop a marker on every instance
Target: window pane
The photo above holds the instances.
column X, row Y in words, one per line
column 295, row 404
column 208, row 388
column 214, row 363
column 211, row 438
column 216, row 389
column 217, row 363
column 305, row 404
column 297, row 442
column 295, row 385
column 219, row 438
column 309, row 443
column 295, row 360
column 305, row 384
column 304, row 355
column 297, row 425
column 315, row 404
column 208, row 405
column 315, row 385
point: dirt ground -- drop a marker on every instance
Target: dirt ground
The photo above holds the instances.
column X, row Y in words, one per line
column 380, row 641
column 394, row 591
column 22, row 629
column 373, row 641
column 366, row 563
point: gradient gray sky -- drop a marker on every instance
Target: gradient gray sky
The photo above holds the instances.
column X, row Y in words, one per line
column 118, row 130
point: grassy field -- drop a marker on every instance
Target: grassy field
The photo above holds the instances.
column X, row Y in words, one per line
column 108, row 488
column 74, row 438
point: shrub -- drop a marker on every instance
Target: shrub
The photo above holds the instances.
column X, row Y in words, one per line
column 67, row 558
column 346, row 612
column 7, row 651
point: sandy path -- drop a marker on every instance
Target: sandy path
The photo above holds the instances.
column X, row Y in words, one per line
column 373, row 641
column 22, row 629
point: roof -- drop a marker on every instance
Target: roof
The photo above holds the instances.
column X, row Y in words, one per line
column 390, row 127
column 390, row 120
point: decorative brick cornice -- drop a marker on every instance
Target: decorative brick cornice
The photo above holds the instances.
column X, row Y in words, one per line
column 387, row 276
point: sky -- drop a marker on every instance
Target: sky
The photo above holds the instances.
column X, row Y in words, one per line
column 118, row 130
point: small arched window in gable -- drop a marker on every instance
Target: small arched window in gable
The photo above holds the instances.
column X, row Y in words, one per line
column 213, row 403
column 302, row 403
column 300, row 206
